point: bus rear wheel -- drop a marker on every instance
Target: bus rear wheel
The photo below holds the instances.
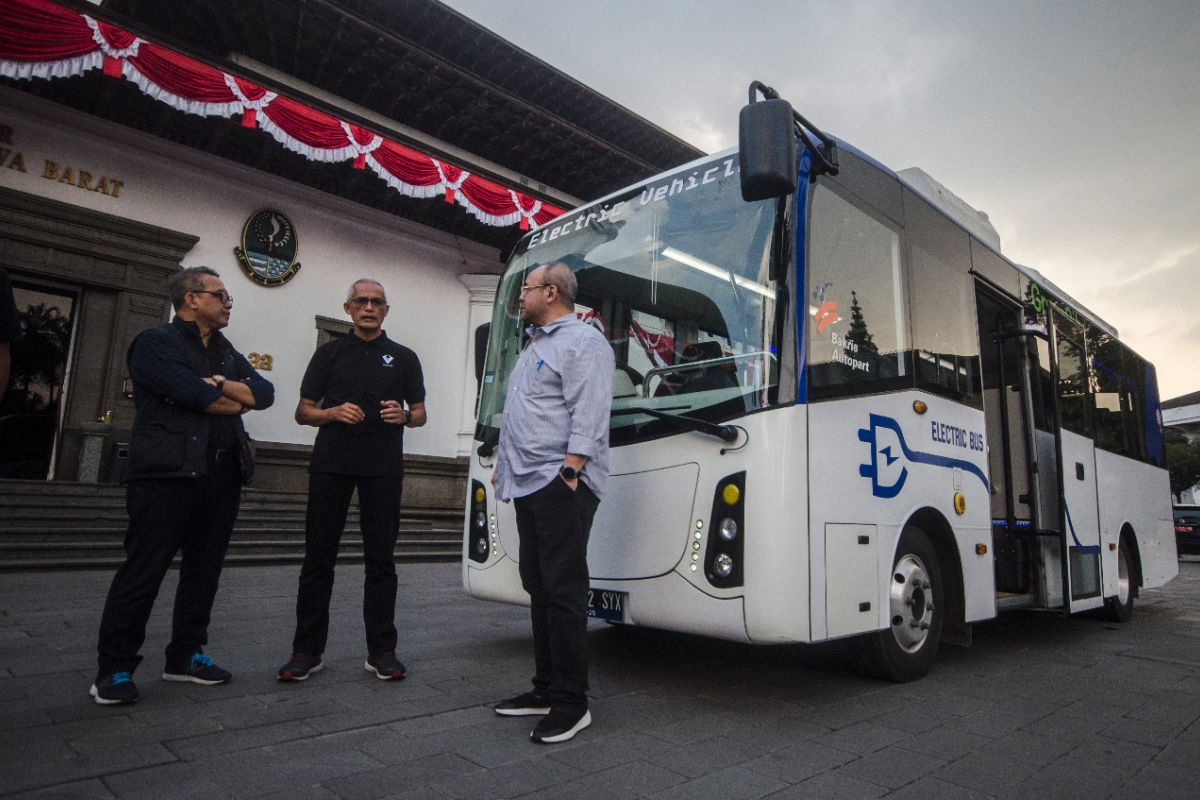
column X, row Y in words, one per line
column 906, row 649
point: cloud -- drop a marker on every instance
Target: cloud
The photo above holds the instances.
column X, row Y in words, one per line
column 1074, row 124
column 1155, row 313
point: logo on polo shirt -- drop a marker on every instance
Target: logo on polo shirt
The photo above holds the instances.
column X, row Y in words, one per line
column 387, row 360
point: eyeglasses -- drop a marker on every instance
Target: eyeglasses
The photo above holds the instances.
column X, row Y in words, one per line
column 363, row 302
column 528, row 288
column 225, row 297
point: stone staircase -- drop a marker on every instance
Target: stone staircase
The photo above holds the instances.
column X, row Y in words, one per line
column 63, row 525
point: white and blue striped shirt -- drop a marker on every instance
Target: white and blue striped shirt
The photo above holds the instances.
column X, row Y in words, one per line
column 558, row 401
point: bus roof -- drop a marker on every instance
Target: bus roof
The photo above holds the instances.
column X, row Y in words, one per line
column 976, row 223
column 960, row 212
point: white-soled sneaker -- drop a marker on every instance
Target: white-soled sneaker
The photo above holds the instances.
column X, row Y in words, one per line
column 561, row 726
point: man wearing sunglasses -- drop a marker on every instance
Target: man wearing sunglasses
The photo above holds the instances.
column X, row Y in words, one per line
column 361, row 391
column 552, row 463
column 189, row 457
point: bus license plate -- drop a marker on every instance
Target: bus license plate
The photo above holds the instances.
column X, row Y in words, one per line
column 606, row 604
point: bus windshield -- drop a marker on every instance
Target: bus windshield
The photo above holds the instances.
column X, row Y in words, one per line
column 678, row 275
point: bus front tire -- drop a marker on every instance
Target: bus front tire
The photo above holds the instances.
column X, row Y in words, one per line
column 1119, row 607
column 906, row 649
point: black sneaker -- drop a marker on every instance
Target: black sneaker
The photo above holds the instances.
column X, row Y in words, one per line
column 199, row 669
column 529, row 704
column 561, row 725
column 300, row 667
column 115, row 689
column 385, row 666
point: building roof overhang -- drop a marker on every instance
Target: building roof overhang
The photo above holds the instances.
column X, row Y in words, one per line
column 414, row 70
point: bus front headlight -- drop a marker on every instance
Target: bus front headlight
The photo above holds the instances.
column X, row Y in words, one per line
column 728, row 529
column 478, row 548
column 726, row 537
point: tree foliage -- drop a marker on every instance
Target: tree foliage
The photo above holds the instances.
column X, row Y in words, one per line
column 1183, row 460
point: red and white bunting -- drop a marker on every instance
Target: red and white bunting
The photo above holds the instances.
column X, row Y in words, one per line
column 46, row 41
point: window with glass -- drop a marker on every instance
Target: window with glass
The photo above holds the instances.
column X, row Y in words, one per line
column 1118, row 396
column 857, row 332
column 680, row 277
column 1073, row 400
column 31, row 406
column 945, row 343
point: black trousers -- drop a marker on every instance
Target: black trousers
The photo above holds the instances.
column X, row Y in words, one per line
column 553, row 524
column 379, row 517
column 195, row 515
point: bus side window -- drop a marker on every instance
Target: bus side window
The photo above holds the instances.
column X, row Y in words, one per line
column 857, row 325
column 945, row 344
column 1119, row 396
column 1073, row 400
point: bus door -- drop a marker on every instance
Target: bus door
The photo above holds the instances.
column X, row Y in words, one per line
column 1080, row 549
column 1022, row 454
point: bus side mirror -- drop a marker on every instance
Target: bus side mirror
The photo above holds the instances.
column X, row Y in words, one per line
column 767, row 150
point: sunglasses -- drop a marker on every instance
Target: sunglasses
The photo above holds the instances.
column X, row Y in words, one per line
column 225, row 297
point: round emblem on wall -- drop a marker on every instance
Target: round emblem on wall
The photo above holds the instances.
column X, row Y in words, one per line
column 268, row 251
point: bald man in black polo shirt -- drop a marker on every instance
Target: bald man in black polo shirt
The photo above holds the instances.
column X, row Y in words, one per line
column 355, row 390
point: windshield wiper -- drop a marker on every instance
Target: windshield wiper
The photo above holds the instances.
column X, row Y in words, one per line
column 726, row 433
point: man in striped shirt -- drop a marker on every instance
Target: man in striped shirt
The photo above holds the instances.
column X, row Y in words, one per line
column 552, row 463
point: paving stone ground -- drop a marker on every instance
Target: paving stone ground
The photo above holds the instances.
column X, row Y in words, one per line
column 1039, row 707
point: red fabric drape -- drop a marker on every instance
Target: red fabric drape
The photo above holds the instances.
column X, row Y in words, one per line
column 43, row 40
column 183, row 76
column 252, row 91
column 406, row 164
column 307, row 125
column 40, row 31
column 116, row 38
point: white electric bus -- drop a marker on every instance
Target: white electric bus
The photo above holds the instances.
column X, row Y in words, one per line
column 838, row 412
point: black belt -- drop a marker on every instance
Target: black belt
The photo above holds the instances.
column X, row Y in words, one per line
column 219, row 454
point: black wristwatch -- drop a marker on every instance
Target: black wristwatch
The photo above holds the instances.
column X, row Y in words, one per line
column 220, row 379
column 569, row 473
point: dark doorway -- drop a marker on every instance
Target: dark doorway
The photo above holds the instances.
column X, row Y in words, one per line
column 31, row 408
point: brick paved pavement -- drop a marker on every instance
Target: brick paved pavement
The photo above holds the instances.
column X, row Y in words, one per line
column 1041, row 707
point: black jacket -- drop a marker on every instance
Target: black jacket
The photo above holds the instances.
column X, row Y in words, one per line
column 170, row 428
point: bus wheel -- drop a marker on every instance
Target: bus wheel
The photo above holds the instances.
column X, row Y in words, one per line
column 1119, row 607
column 906, row 649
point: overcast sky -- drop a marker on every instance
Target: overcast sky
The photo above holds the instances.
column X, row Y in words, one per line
column 1075, row 124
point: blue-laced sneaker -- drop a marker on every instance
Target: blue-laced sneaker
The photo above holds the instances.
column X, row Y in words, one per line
column 199, row 669
column 115, row 689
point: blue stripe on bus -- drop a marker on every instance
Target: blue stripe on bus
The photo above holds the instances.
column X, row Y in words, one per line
column 1153, row 416
column 800, row 290
column 871, row 470
column 1090, row 549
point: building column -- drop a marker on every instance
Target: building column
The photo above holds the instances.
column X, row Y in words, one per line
column 482, row 289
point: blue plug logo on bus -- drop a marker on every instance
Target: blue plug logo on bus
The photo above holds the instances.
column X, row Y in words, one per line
column 889, row 452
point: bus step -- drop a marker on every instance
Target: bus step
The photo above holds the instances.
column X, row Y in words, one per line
column 1007, row 601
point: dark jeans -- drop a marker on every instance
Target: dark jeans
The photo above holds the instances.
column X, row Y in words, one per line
column 195, row 515
column 553, row 524
column 379, row 517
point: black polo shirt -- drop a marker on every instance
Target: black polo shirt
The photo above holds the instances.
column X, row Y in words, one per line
column 350, row 370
